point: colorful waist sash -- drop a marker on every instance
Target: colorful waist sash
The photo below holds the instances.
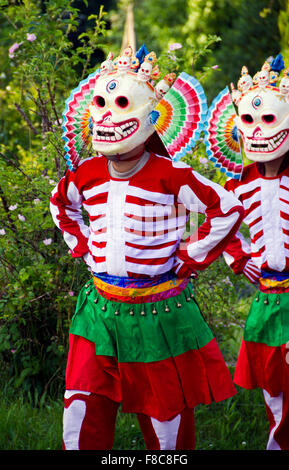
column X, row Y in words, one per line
column 274, row 282
column 137, row 291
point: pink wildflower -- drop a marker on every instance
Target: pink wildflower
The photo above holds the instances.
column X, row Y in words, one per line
column 47, row 241
column 13, row 48
column 2, row 231
column 71, row 293
column 30, row 37
column 174, row 46
column 12, row 208
column 215, row 67
column 21, row 217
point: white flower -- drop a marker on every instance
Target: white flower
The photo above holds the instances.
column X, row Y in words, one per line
column 2, row 231
column 47, row 241
column 12, row 208
column 36, row 201
column 21, row 217
column 203, row 161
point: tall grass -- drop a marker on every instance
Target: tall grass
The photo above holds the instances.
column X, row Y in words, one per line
column 35, row 423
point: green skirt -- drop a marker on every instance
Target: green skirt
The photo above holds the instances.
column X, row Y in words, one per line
column 140, row 332
column 268, row 319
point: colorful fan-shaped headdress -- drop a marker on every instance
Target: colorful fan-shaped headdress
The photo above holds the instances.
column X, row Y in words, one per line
column 221, row 136
column 179, row 117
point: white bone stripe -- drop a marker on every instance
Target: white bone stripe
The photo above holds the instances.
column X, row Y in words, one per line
column 110, row 203
column 272, row 212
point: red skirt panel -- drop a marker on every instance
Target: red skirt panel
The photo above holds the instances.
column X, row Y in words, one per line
column 160, row 389
column 260, row 365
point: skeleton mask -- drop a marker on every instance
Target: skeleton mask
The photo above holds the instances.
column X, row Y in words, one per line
column 263, row 121
column 245, row 82
column 120, row 113
column 284, row 83
column 145, row 70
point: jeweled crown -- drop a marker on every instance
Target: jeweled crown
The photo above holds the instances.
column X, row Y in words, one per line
column 268, row 76
column 143, row 64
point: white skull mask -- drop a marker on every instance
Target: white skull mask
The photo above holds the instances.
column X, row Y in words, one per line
column 145, row 70
column 245, row 82
column 263, row 121
column 262, row 78
column 161, row 89
column 120, row 113
column 284, row 86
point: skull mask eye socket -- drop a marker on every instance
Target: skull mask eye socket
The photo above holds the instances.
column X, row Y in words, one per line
column 122, row 102
column 268, row 118
column 247, row 118
column 99, row 101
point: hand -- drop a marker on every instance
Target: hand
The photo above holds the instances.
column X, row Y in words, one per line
column 252, row 272
column 182, row 270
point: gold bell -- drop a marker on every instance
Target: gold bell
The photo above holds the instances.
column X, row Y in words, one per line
column 179, row 305
column 192, row 295
column 103, row 308
column 154, row 312
column 95, row 301
column 88, row 292
column 257, row 299
column 167, row 309
column 131, row 312
column 116, row 312
column 142, row 313
column 188, row 299
column 266, row 301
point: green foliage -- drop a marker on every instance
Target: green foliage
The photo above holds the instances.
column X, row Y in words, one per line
column 39, row 279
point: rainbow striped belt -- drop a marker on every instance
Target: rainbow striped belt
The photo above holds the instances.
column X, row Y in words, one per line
column 138, row 291
column 274, row 282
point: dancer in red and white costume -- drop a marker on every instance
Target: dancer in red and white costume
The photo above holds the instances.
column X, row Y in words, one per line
column 263, row 123
column 138, row 337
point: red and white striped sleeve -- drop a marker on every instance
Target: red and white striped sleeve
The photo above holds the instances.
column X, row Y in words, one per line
column 224, row 214
column 238, row 252
column 66, row 210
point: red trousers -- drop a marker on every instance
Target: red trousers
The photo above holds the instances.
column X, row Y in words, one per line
column 89, row 424
column 277, row 409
